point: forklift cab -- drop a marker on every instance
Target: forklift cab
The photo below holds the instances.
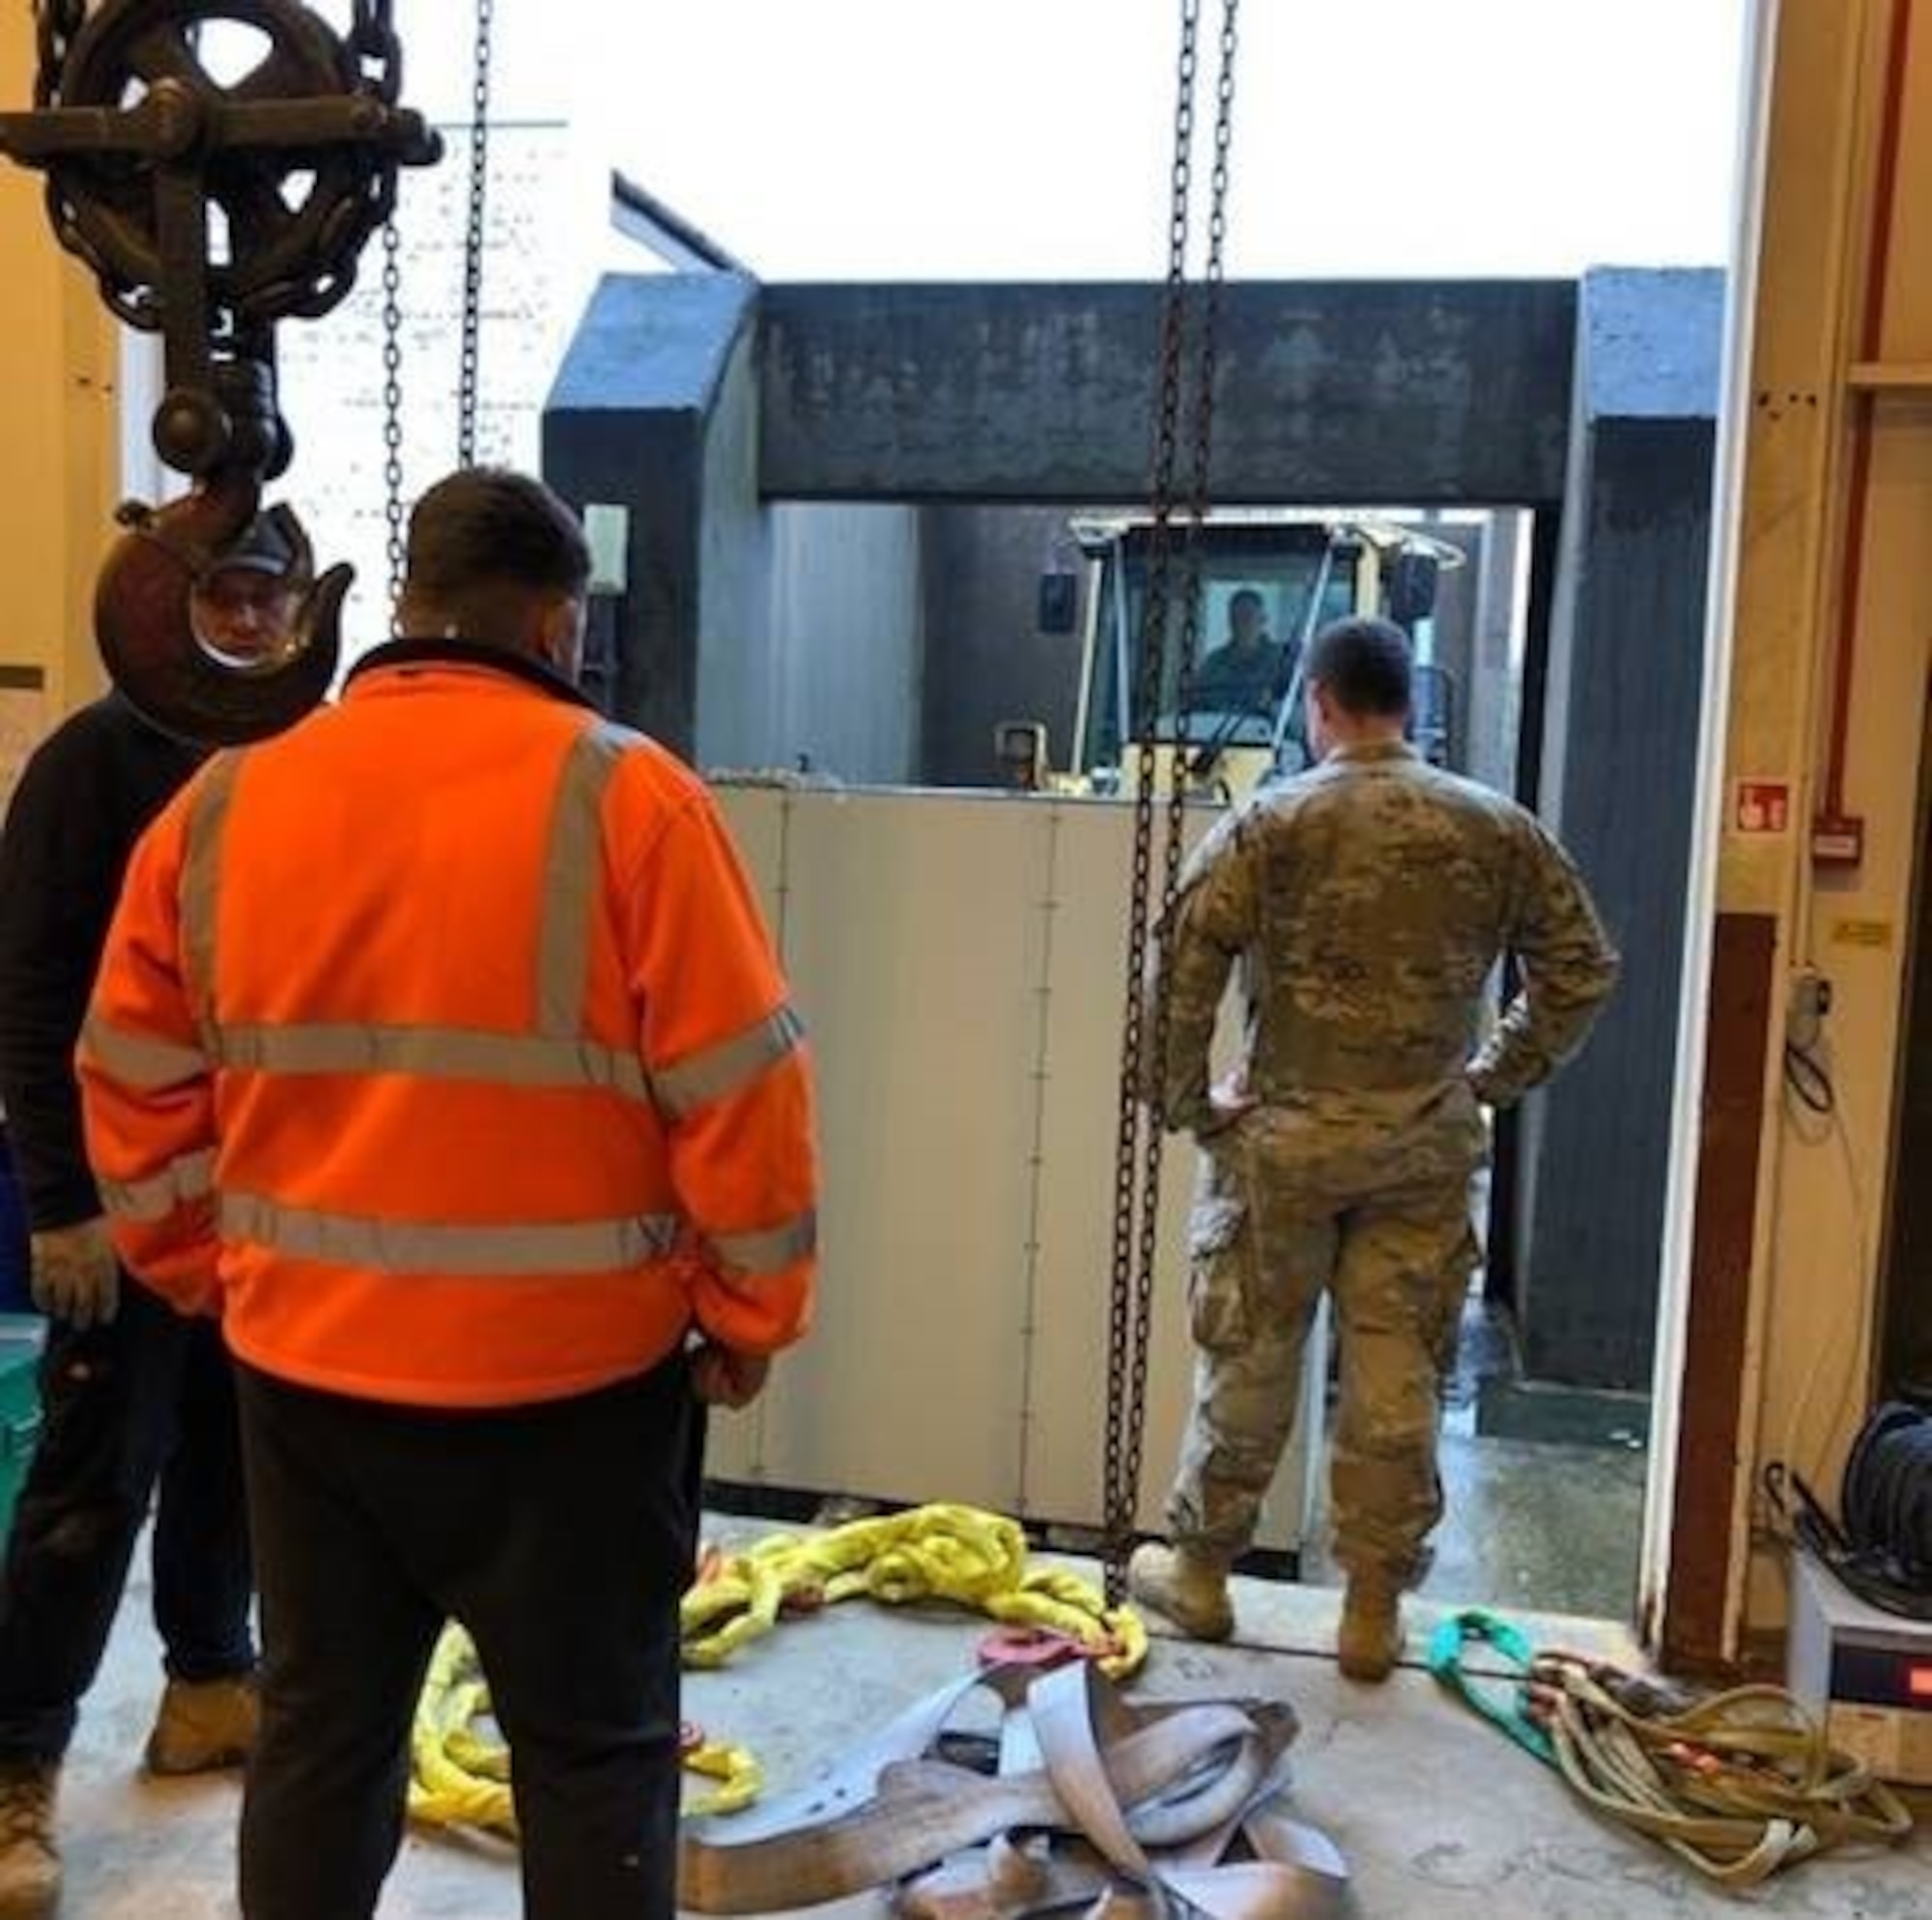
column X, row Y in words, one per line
column 1264, row 586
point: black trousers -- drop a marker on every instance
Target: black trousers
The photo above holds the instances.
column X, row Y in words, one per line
column 145, row 1402
column 562, row 1536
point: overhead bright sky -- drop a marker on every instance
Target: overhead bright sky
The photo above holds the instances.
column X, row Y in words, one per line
column 845, row 139
column 1008, row 139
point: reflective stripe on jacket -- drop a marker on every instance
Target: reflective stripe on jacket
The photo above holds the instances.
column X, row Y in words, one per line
column 442, row 1041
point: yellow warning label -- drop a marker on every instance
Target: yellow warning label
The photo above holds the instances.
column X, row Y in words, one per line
column 1861, row 933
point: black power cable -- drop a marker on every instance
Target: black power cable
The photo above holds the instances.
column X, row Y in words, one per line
column 1882, row 1546
column 1809, row 1080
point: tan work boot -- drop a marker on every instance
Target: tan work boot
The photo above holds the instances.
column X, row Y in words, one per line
column 204, row 1725
column 1191, row 1591
column 1370, row 1640
column 30, row 1865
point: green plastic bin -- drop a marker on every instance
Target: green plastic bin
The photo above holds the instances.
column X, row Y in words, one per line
column 20, row 1336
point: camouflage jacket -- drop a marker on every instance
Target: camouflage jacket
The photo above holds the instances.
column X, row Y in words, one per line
column 1368, row 902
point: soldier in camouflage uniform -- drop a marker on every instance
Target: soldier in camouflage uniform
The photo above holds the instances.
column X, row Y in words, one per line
column 1368, row 902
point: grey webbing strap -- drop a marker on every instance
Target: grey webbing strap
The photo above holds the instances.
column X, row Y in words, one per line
column 1192, row 1772
column 1012, row 1879
column 846, row 1785
column 1095, row 1790
column 926, row 1810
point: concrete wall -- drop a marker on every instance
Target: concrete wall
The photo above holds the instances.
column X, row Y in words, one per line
column 1325, row 392
column 740, row 670
column 1451, row 630
column 698, row 401
column 986, row 659
column 649, row 410
column 749, row 635
column 846, row 628
column 1621, row 730
column 1493, row 707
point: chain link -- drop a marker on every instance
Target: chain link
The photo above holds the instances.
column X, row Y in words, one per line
column 372, row 39
column 1207, row 364
column 56, row 23
column 392, row 405
column 1136, row 1133
column 1138, row 1137
column 472, row 241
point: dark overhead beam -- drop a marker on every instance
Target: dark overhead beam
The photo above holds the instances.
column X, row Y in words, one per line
column 1418, row 393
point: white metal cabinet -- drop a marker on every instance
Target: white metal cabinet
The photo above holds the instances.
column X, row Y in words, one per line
column 1080, row 1064
column 958, row 962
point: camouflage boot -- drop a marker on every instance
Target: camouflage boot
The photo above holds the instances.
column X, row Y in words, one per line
column 204, row 1725
column 1370, row 1640
column 30, row 1866
column 1190, row 1591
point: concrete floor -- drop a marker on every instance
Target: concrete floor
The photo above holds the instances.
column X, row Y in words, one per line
column 1546, row 1525
column 1441, row 1818
column 1531, row 1524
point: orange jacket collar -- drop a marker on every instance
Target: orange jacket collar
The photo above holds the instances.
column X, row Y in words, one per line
column 453, row 651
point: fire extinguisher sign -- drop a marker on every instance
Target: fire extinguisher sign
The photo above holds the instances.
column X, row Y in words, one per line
column 1762, row 806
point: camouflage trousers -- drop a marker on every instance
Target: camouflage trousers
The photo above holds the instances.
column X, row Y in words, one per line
column 1377, row 1215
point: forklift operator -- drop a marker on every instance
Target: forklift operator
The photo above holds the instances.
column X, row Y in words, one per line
column 1249, row 670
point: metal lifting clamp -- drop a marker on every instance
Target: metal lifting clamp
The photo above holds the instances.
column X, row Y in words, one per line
column 210, row 208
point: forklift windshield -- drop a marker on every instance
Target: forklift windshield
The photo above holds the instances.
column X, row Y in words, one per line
column 1259, row 598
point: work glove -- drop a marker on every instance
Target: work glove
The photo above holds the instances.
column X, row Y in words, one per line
column 722, row 1376
column 75, row 1277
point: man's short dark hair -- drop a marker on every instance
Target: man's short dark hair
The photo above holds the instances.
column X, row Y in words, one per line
column 1250, row 595
column 487, row 526
column 1367, row 665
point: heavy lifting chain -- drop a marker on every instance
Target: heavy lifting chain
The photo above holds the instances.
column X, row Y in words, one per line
column 372, row 39
column 57, row 23
column 1137, row 1167
column 371, row 20
column 469, row 360
column 473, row 239
column 393, row 406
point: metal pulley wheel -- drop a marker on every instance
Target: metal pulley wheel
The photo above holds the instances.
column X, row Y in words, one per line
column 220, row 165
column 296, row 154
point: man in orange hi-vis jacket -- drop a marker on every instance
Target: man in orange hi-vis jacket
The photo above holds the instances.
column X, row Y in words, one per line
column 439, row 1048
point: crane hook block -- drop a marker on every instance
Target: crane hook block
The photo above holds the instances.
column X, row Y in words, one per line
column 210, row 618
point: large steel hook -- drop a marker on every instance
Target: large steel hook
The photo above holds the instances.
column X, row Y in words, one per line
column 210, row 616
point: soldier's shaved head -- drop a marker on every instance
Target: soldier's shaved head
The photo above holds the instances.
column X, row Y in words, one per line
column 1367, row 667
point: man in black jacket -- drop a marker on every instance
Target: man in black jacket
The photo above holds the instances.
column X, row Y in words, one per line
column 134, row 1397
